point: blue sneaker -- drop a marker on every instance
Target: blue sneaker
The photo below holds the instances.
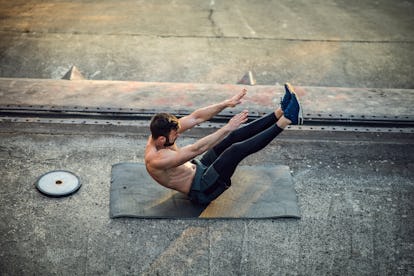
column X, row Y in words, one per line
column 284, row 102
column 294, row 111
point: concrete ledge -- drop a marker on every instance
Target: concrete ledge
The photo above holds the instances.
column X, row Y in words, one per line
column 166, row 96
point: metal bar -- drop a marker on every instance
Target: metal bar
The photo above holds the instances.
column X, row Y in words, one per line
column 206, row 125
column 120, row 114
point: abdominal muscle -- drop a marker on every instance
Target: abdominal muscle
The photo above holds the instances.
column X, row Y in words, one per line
column 179, row 178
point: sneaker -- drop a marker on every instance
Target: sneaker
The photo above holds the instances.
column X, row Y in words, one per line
column 294, row 111
column 284, row 102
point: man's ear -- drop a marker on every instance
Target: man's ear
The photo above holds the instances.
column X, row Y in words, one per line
column 160, row 141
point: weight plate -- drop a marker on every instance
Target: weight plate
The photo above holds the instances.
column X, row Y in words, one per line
column 58, row 183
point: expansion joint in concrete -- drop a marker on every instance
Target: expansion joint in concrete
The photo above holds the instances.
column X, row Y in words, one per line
column 218, row 33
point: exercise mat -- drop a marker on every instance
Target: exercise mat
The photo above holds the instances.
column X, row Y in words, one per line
column 256, row 192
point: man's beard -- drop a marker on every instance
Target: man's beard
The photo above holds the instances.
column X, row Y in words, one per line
column 168, row 143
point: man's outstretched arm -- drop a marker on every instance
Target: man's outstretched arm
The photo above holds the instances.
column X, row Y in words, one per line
column 166, row 159
column 206, row 113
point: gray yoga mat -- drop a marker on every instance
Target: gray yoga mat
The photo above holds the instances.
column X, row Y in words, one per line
column 256, row 192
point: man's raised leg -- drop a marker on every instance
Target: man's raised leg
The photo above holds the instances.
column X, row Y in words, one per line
column 227, row 162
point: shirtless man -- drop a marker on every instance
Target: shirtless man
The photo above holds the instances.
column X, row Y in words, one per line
column 205, row 179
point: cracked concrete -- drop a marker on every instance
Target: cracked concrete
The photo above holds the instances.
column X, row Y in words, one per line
column 309, row 43
column 216, row 28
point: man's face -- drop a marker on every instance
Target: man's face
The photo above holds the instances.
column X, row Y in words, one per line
column 170, row 140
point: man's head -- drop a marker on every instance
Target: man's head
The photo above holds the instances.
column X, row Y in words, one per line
column 161, row 126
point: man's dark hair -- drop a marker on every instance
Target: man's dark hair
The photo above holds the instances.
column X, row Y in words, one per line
column 162, row 124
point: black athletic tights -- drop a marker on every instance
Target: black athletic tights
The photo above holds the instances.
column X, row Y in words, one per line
column 242, row 142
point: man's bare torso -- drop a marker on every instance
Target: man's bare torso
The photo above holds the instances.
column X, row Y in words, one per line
column 177, row 178
column 171, row 166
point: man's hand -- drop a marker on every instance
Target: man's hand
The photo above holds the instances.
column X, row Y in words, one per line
column 236, row 99
column 237, row 120
column 206, row 113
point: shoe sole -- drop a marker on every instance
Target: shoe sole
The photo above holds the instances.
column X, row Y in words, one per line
column 300, row 113
column 289, row 88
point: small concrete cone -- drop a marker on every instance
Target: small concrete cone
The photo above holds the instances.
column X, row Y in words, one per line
column 247, row 79
column 73, row 74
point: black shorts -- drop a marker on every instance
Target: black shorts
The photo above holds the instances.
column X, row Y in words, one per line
column 207, row 185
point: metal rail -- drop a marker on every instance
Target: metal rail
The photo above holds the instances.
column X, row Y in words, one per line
column 126, row 116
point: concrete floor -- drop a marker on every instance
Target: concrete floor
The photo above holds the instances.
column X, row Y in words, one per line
column 356, row 199
column 356, row 189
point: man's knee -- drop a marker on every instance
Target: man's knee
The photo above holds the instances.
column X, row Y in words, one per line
column 235, row 151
